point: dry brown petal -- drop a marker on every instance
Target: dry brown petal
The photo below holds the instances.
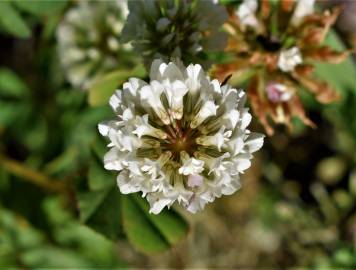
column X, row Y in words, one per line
column 325, row 21
column 287, row 5
column 221, row 71
column 271, row 61
column 259, row 106
column 313, row 36
column 323, row 91
column 296, row 109
column 326, row 54
column 304, row 70
column 265, row 9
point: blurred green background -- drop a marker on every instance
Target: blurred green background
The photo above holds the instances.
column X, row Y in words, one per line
column 59, row 208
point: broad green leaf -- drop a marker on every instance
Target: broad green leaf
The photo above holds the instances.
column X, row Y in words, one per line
column 170, row 224
column 341, row 76
column 142, row 234
column 105, row 86
column 41, row 7
column 52, row 257
column 35, row 138
column 98, row 177
column 107, row 216
column 11, row 112
column 12, row 22
column 11, row 84
column 64, row 163
column 89, row 202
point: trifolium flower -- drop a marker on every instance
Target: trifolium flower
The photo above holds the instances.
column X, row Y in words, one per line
column 278, row 44
column 165, row 29
column 88, row 40
column 181, row 137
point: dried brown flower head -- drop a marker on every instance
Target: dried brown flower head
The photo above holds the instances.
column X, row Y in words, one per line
column 279, row 44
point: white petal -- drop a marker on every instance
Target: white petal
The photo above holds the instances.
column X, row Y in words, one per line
column 254, row 142
column 208, row 109
column 303, row 8
column 245, row 121
column 125, row 184
column 289, row 59
column 157, row 204
column 192, row 166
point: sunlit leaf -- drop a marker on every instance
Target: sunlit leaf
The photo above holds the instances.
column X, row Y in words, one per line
column 12, row 22
column 142, row 234
column 151, row 233
column 105, row 86
column 41, row 7
column 11, row 84
column 170, row 224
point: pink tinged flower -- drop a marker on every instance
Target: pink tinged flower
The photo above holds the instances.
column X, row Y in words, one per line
column 195, row 180
column 277, row 92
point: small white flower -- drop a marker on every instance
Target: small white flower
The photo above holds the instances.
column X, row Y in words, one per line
column 277, row 92
column 289, row 59
column 303, row 8
column 88, row 40
column 179, row 138
column 247, row 13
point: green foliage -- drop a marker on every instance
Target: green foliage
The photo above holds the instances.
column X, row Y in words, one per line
column 115, row 215
column 11, row 85
column 41, row 7
column 151, row 233
column 71, row 244
column 103, row 88
column 12, row 22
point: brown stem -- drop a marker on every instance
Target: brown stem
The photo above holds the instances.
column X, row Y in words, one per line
column 32, row 176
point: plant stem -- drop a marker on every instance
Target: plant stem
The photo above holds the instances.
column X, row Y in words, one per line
column 32, row 176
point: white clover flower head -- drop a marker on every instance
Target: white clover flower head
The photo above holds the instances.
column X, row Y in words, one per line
column 289, row 59
column 247, row 13
column 88, row 40
column 181, row 137
column 303, row 8
column 278, row 92
column 167, row 29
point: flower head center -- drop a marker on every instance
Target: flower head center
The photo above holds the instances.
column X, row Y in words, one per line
column 180, row 139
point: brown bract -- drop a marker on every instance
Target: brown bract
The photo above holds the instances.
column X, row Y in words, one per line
column 257, row 49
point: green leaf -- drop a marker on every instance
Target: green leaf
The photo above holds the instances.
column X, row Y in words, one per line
column 89, row 202
column 151, row 233
column 341, row 76
column 170, row 224
column 106, row 219
column 12, row 22
column 53, row 257
column 98, row 177
column 12, row 111
column 139, row 230
column 11, row 84
column 41, row 7
column 105, row 86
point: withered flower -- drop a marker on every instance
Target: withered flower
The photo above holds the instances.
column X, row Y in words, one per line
column 279, row 43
